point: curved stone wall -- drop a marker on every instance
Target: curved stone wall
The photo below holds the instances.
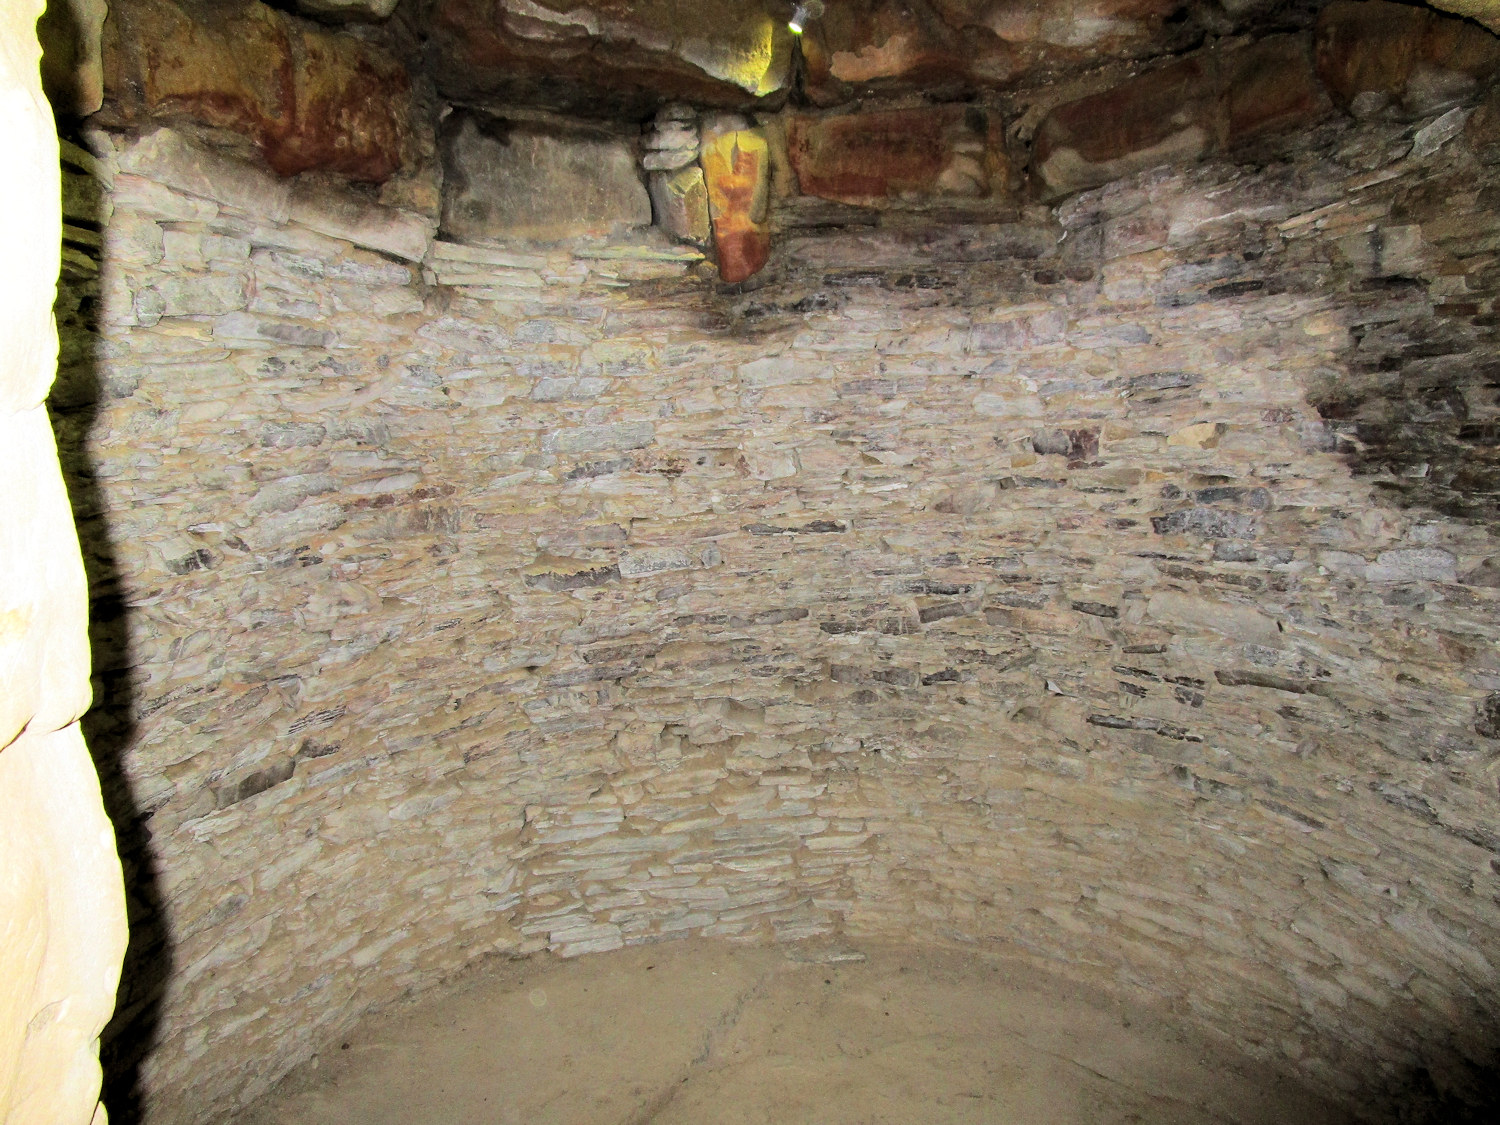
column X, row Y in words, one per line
column 1116, row 590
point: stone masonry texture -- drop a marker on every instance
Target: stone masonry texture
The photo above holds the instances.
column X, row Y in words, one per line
column 1116, row 589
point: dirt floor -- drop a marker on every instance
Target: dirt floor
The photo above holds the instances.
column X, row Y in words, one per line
column 695, row 1033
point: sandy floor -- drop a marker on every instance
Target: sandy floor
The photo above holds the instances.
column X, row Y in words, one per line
column 697, row 1033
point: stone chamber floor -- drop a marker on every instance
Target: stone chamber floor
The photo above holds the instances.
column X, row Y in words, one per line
column 696, row 1032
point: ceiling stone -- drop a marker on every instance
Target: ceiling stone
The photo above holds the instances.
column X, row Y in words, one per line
column 947, row 45
column 637, row 52
column 348, row 11
column 737, row 53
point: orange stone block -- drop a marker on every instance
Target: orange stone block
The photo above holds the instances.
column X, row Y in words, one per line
column 869, row 158
column 737, row 168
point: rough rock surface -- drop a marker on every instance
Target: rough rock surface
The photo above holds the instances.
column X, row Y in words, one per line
column 309, row 97
column 62, row 910
column 506, row 181
column 1115, row 588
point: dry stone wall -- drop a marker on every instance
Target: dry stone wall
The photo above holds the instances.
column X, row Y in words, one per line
column 1115, row 589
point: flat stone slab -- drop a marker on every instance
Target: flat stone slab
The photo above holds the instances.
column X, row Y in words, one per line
column 514, row 183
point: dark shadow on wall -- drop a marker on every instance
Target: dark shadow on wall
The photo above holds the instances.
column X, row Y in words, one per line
column 1469, row 1098
column 1417, row 406
column 110, row 726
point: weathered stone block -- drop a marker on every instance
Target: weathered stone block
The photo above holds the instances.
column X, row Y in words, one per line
column 737, row 168
column 679, row 200
column 522, row 184
column 617, row 435
column 1200, row 435
column 308, row 97
column 876, row 157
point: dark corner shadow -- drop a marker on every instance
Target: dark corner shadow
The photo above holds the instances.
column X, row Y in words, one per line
column 1471, row 1097
column 110, row 725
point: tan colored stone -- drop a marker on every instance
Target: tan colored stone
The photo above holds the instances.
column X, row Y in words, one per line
column 1200, row 435
column 176, row 160
column 44, row 659
column 1187, row 612
column 400, row 234
column 62, row 929
column 30, row 223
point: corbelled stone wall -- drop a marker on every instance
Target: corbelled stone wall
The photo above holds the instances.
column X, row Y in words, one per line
column 1116, row 590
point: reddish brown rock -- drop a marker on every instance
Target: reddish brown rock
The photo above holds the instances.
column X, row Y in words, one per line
column 1372, row 49
column 1164, row 116
column 308, row 97
column 872, row 158
column 1270, row 87
column 737, row 169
